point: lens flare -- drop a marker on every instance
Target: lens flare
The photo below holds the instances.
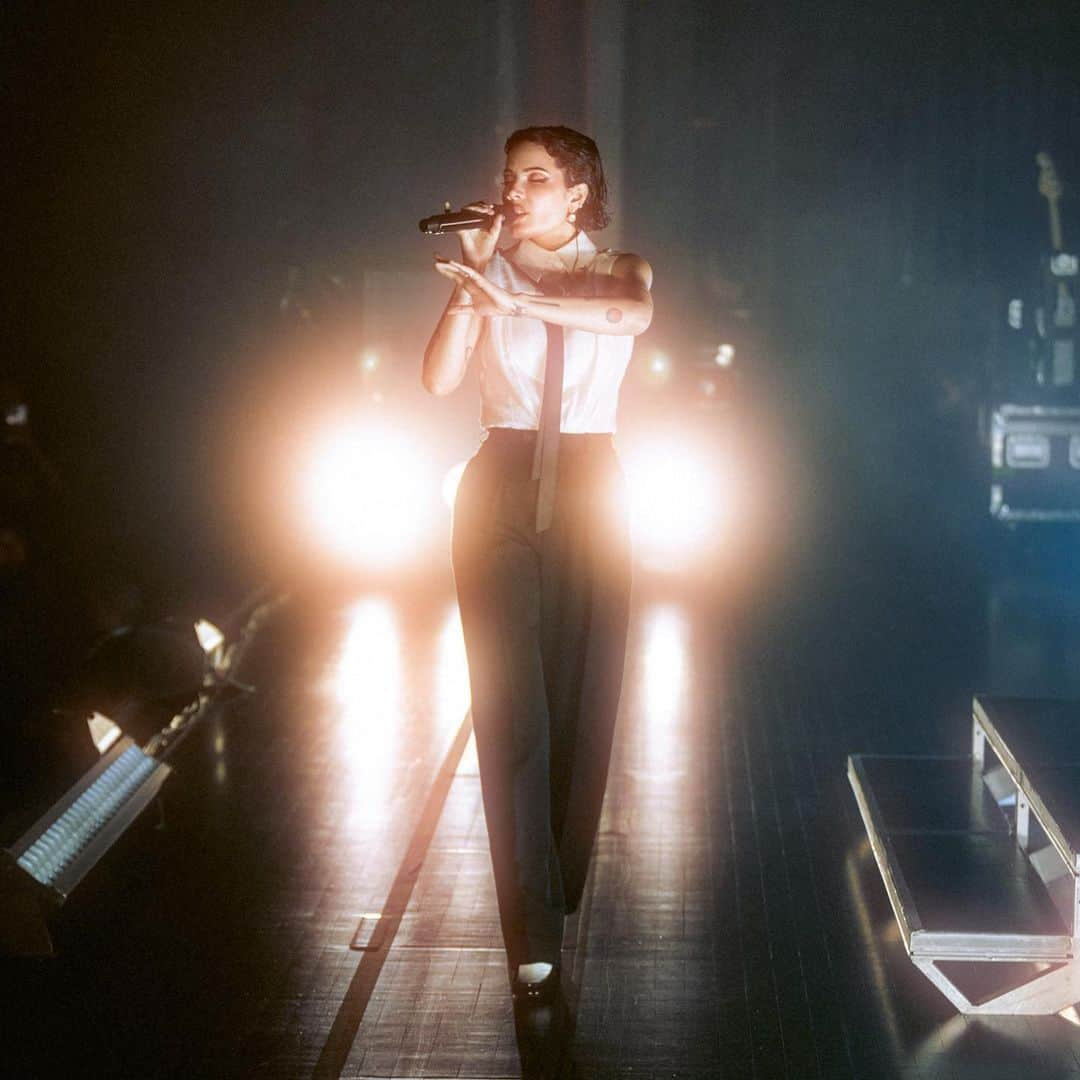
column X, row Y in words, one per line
column 364, row 493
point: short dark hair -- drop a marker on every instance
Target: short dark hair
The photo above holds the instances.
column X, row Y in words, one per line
column 579, row 159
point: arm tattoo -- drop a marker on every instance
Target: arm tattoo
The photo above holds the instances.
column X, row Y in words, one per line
column 519, row 307
column 614, row 315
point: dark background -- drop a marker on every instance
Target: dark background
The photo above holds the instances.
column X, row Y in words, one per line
column 211, row 214
column 850, row 186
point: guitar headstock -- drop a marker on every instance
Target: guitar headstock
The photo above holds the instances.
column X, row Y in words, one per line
column 1049, row 184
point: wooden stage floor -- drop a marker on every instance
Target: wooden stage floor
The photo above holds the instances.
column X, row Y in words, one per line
column 734, row 925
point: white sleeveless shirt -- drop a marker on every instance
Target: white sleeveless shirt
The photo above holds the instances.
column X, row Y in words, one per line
column 512, row 350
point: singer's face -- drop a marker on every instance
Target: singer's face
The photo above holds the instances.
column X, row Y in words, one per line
column 534, row 185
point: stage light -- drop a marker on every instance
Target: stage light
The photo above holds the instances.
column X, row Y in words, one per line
column 57, row 852
column 682, row 502
column 139, row 675
column 451, row 481
column 42, row 868
column 63, row 846
column 659, row 367
column 103, row 731
column 210, row 637
column 364, row 495
column 725, row 355
column 1062, row 265
column 368, row 360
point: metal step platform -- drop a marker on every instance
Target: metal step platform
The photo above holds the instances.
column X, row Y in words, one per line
column 979, row 856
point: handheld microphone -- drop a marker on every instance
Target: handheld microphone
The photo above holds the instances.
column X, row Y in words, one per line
column 458, row 220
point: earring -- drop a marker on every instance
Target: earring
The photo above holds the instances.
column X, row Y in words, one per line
column 572, row 216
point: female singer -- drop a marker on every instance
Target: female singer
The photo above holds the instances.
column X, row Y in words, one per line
column 541, row 551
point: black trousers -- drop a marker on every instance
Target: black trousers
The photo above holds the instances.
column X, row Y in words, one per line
column 545, row 618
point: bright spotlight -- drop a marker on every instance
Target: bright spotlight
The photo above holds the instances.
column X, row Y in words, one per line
column 364, row 493
column 681, row 502
column 725, row 355
column 451, row 481
column 210, row 637
column 103, row 731
column 368, row 360
column 660, row 367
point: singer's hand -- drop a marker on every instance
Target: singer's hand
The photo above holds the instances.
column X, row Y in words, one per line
column 485, row 297
column 478, row 245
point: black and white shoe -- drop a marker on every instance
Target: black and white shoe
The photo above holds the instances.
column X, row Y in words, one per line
column 536, row 991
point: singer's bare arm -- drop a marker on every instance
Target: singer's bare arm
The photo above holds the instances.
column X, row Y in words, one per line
column 450, row 349
column 447, row 356
column 625, row 308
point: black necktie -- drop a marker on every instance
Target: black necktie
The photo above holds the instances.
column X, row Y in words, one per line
column 546, row 457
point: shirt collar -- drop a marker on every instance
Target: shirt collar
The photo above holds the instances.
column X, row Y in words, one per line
column 576, row 253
